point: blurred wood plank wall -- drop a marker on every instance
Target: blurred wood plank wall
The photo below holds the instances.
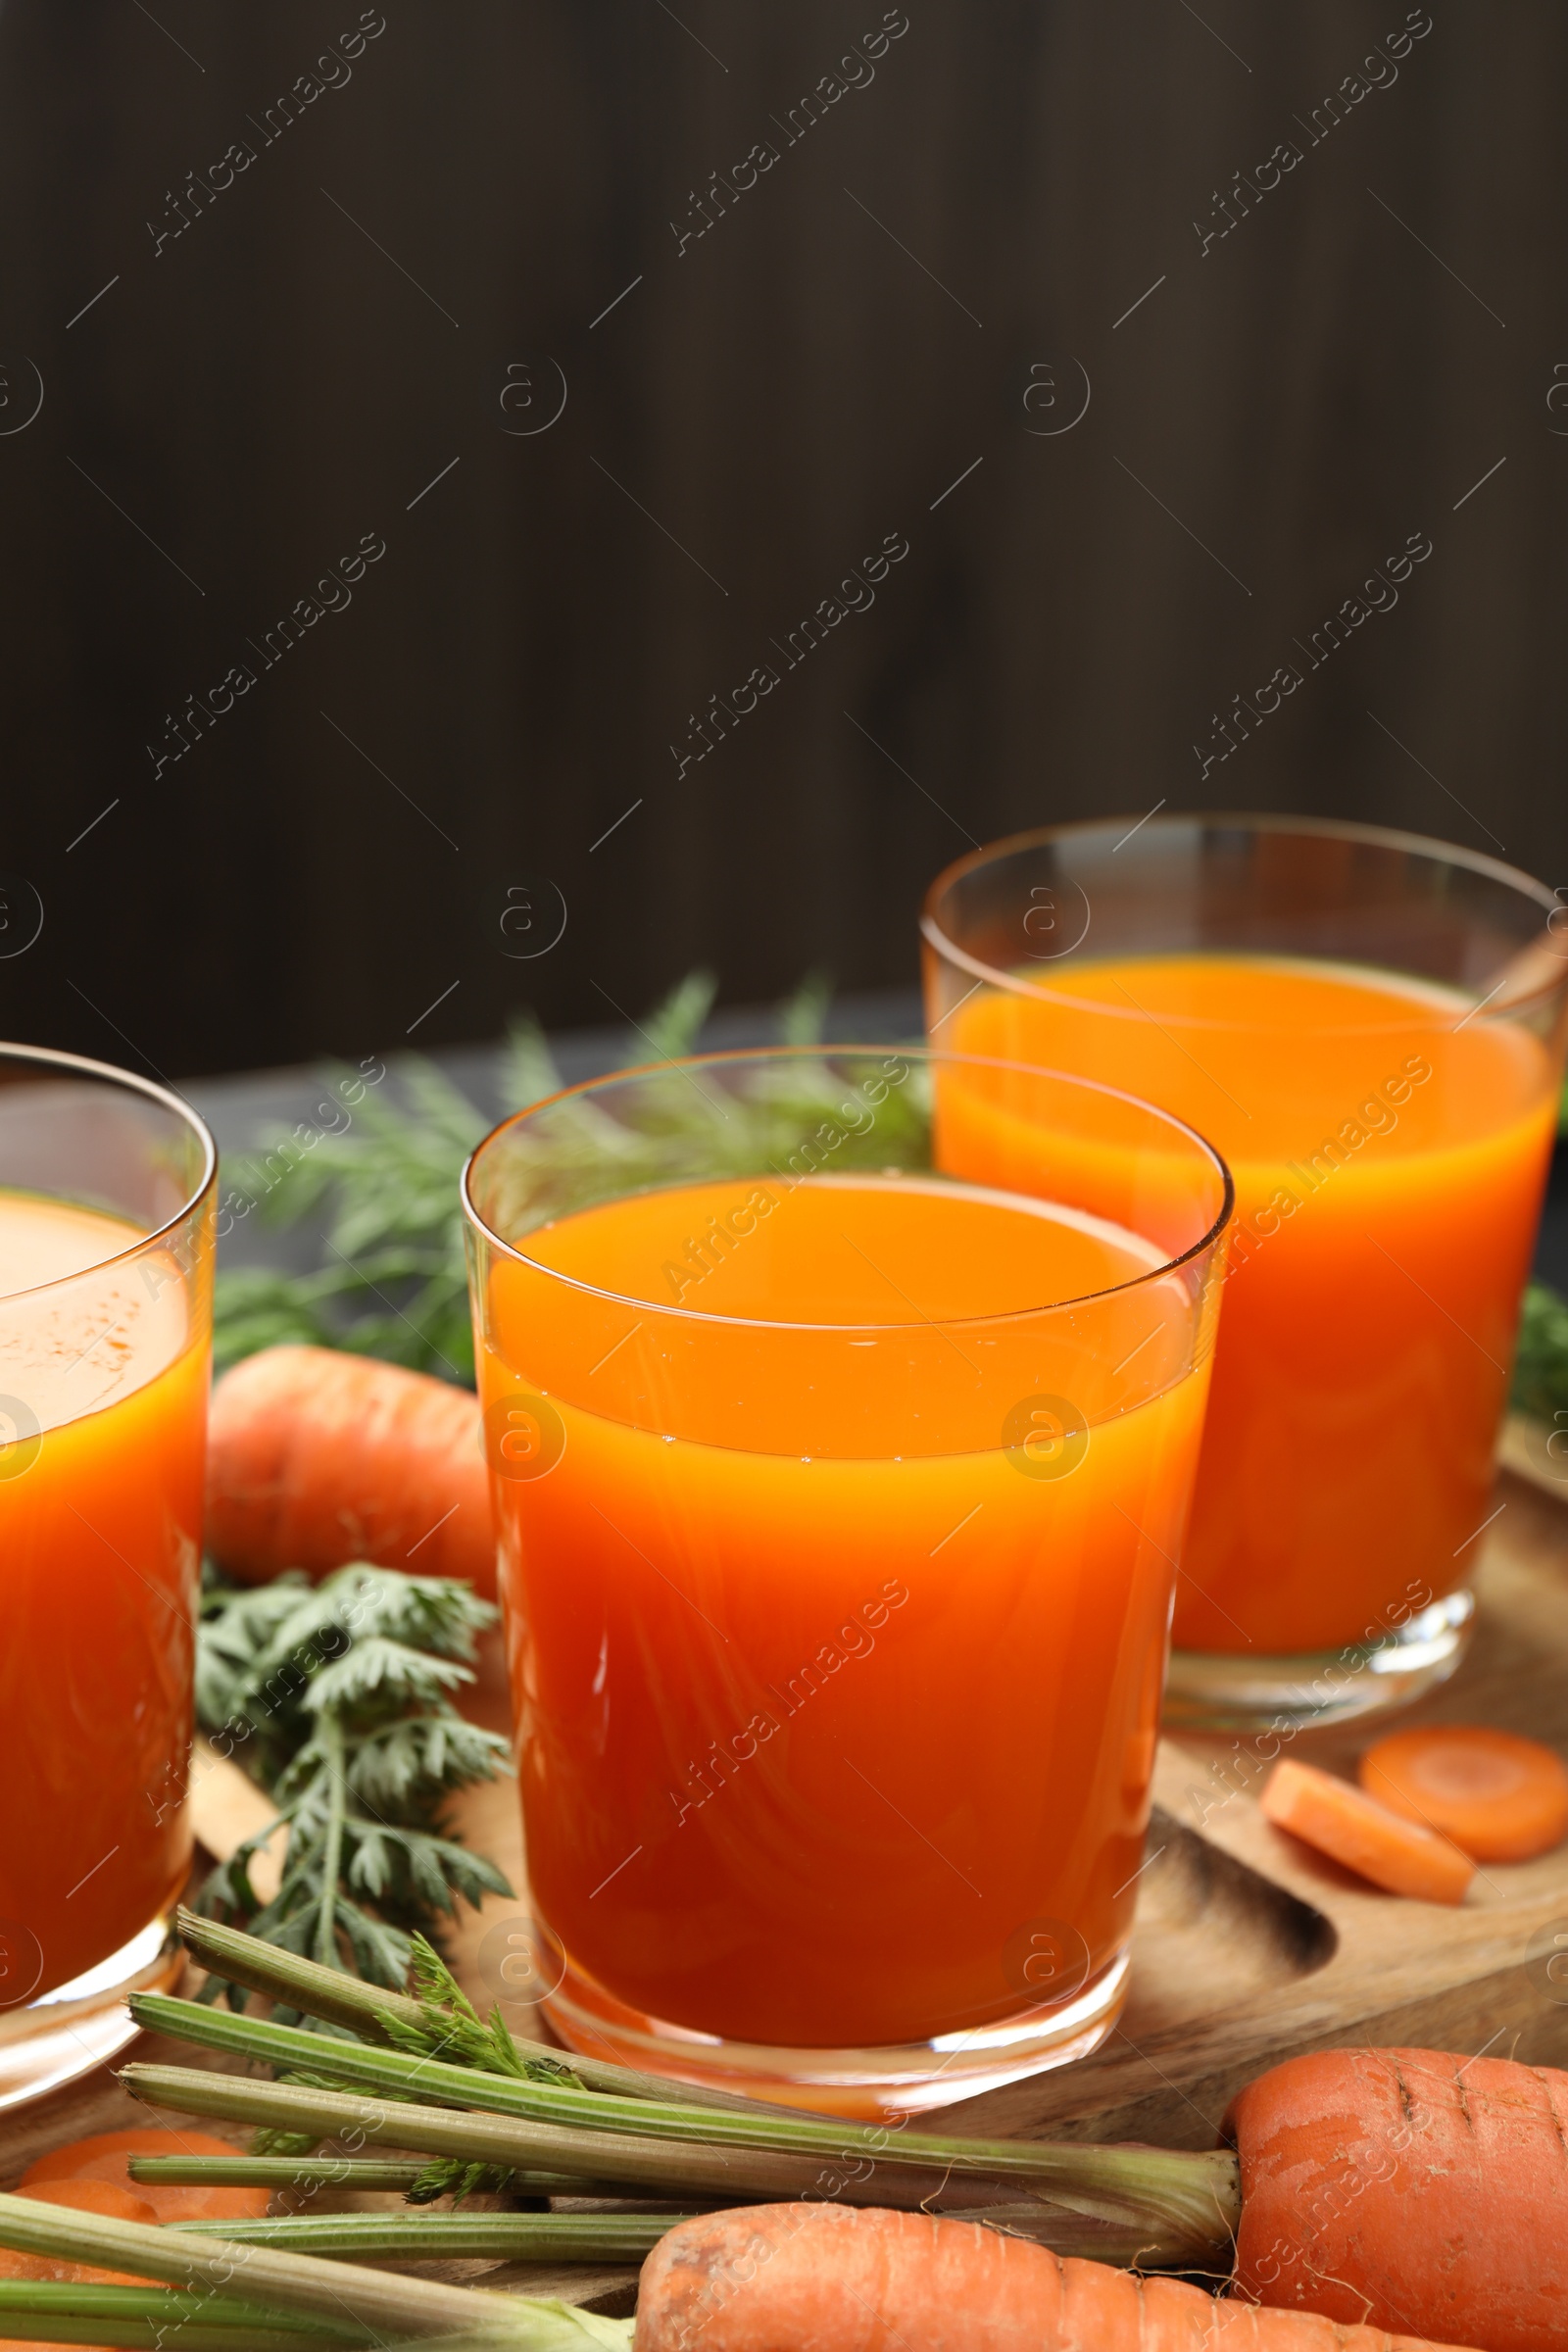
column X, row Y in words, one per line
column 915, row 279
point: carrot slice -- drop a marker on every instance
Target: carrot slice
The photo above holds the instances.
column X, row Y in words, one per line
column 1351, row 1828
column 103, row 2156
column 1500, row 1798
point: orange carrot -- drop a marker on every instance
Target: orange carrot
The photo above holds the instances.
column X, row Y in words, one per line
column 99, row 2162
column 1352, row 1829
column 843, row 2278
column 1500, row 1798
column 92, row 2196
column 1411, row 2188
column 317, row 1457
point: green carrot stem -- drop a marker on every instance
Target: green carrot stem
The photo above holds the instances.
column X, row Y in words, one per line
column 329, row 1738
column 325, row 1992
column 505, row 2141
column 169, row 2307
column 376, row 2302
column 154, row 2332
column 332, row 2172
column 341, row 2000
column 1071, row 2220
column 152, row 2336
column 280, row 2171
column 443, row 2237
column 1141, row 2185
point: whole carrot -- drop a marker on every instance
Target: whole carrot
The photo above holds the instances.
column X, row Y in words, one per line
column 1343, row 1820
column 829, row 2278
column 1412, row 2188
column 317, row 1457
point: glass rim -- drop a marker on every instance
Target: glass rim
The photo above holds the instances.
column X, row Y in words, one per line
column 81, row 1065
column 1444, row 852
column 821, row 1052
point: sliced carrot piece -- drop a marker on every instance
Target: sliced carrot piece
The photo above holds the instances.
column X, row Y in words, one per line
column 1341, row 1821
column 92, row 2197
column 1500, row 1798
column 103, row 2156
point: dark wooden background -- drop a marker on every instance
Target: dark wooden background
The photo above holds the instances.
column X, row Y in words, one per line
column 757, row 413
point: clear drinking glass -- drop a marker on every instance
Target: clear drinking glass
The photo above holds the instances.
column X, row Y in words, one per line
column 1370, row 1027
column 106, row 1250
column 837, row 1501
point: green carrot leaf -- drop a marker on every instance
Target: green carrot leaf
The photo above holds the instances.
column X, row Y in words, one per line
column 337, row 1697
column 1540, row 1363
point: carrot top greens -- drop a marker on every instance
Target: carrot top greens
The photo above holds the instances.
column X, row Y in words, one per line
column 391, row 1280
column 338, row 1698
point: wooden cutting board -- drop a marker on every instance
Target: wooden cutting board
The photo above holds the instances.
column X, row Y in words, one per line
column 1248, row 1947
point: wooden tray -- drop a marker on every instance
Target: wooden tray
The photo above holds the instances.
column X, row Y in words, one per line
column 1247, row 1948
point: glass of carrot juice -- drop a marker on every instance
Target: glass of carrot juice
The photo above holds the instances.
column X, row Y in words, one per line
column 837, row 1502
column 106, row 1245
column 1370, row 1027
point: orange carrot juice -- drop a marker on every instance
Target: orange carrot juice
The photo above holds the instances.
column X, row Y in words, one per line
column 104, row 1387
column 1389, row 1145
column 835, row 1558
